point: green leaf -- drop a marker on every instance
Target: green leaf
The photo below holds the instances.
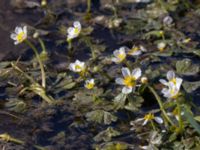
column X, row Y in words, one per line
column 191, row 86
column 15, row 105
column 119, row 101
column 197, row 118
column 106, row 135
column 134, row 103
column 101, row 116
column 191, row 120
column 186, row 67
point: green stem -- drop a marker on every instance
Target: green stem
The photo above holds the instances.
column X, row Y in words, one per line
column 42, row 45
column 160, row 105
column 25, row 74
column 39, row 61
column 7, row 137
column 153, row 126
column 180, row 121
column 88, row 6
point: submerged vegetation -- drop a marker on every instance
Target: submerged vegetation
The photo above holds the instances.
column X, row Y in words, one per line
column 104, row 75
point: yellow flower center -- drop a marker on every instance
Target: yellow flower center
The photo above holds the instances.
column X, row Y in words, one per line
column 149, row 117
column 172, row 92
column 20, row 37
column 133, row 50
column 77, row 67
column 173, row 80
column 121, row 56
column 76, row 30
column 89, row 85
column 129, row 81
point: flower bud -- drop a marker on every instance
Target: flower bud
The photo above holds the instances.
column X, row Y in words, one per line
column 144, row 80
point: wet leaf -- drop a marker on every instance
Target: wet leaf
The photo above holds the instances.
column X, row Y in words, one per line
column 134, row 103
column 186, row 67
column 18, row 106
column 119, row 101
column 106, row 135
column 191, row 86
column 101, row 116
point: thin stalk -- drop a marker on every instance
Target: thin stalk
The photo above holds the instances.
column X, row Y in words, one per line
column 40, row 63
column 153, row 126
column 25, row 74
column 7, row 137
column 37, row 88
column 88, row 6
column 180, row 121
column 160, row 105
column 42, row 45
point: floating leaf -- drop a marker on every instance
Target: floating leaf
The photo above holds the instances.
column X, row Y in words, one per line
column 119, row 101
column 86, row 97
column 191, row 86
column 101, row 116
column 186, row 67
column 18, row 106
column 134, row 103
column 197, row 52
column 106, row 135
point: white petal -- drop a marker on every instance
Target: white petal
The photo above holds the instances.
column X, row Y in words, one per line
column 159, row 120
column 116, row 53
column 139, row 119
column 25, row 30
column 127, row 90
column 123, row 49
column 115, row 60
column 164, row 82
column 13, row 36
column 137, row 73
column 145, row 122
column 72, row 66
column 77, row 24
column 126, row 72
column 119, row 81
column 70, row 30
column 170, row 75
column 18, row 30
column 178, row 82
column 136, row 53
column 16, row 42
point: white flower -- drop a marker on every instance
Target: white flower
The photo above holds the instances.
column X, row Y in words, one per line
column 77, row 66
column 171, row 77
column 168, row 20
column 74, row 32
column 119, row 55
column 19, row 35
column 136, row 50
column 129, row 80
column 161, row 46
column 89, row 84
column 149, row 117
column 173, row 84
